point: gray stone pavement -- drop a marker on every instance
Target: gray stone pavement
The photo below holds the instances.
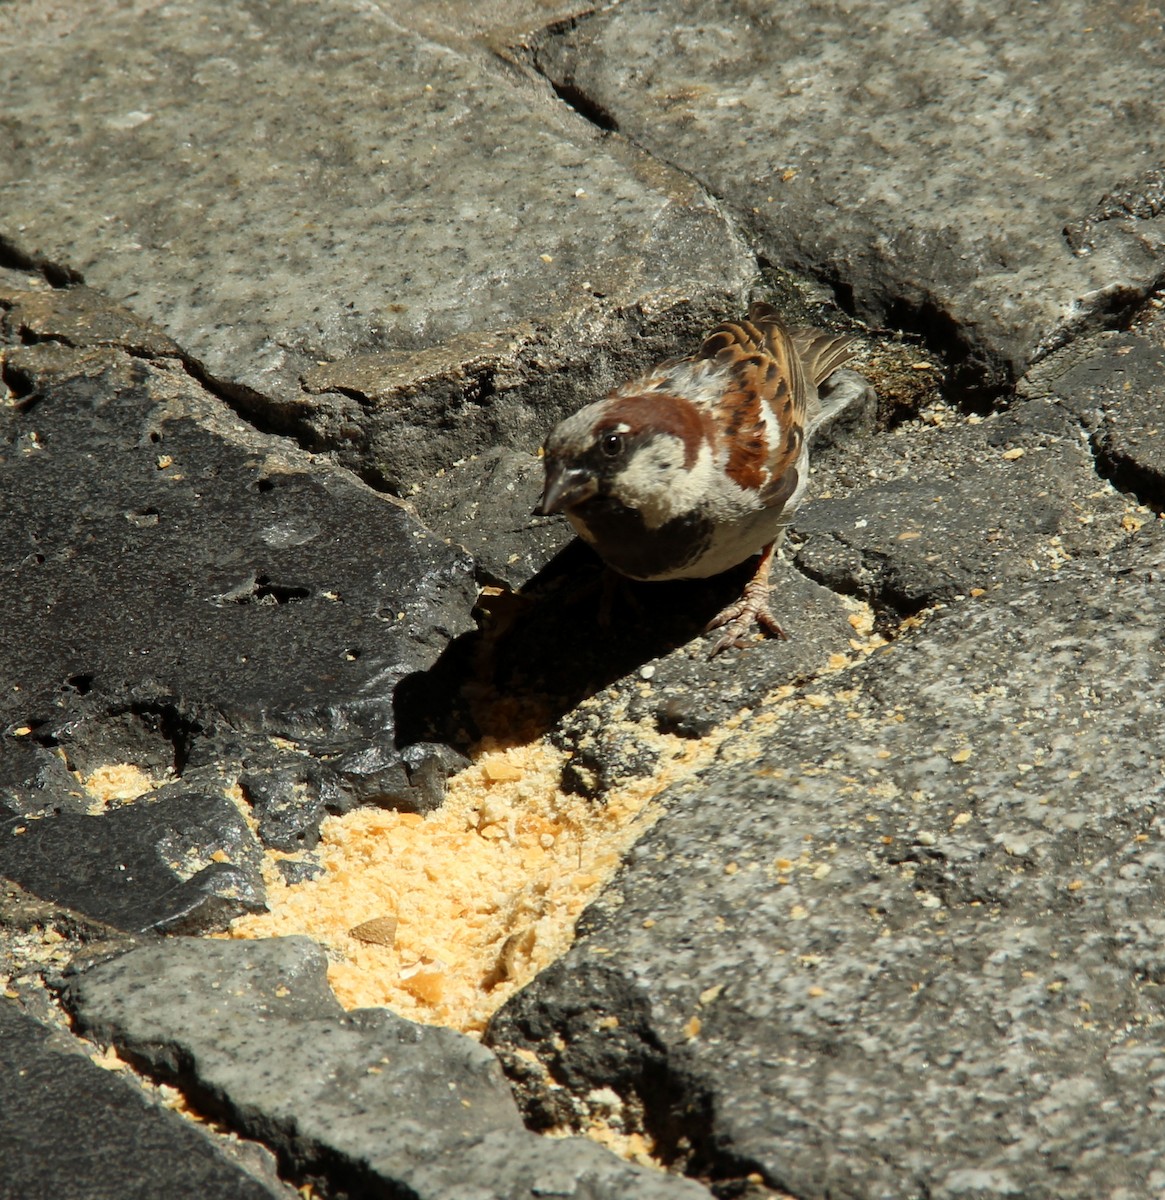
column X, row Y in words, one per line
column 289, row 294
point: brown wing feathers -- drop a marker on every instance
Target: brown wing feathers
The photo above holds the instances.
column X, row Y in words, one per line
column 767, row 369
column 821, row 352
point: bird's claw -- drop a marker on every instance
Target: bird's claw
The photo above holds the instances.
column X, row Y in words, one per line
column 738, row 619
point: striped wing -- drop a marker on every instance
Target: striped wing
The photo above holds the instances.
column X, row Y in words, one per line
column 770, row 404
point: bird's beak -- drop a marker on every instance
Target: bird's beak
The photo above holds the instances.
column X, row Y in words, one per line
column 565, row 487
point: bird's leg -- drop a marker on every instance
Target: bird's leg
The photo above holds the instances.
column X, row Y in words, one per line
column 751, row 609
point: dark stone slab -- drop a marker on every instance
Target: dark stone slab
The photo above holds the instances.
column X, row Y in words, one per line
column 291, row 794
column 935, row 512
column 217, row 597
column 73, row 1131
column 203, row 567
column 898, row 941
column 290, row 800
column 184, row 862
column 989, row 178
column 374, row 1102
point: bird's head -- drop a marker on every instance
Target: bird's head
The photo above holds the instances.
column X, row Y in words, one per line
column 642, row 451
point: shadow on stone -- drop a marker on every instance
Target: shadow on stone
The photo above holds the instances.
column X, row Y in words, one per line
column 156, row 736
column 572, row 631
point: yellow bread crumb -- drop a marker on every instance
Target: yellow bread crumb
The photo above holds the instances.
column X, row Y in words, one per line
column 479, row 895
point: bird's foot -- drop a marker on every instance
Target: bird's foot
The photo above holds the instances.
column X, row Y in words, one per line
column 750, row 610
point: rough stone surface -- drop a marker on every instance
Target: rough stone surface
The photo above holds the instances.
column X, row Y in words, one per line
column 215, row 592
column 252, row 1029
column 897, row 943
column 680, row 691
column 1115, row 386
column 182, row 863
column 991, row 178
column 385, row 194
column 72, row 1130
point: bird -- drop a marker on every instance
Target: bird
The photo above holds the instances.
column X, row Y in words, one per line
column 693, row 467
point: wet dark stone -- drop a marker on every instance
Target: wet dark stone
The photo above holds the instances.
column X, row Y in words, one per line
column 149, row 864
column 216, row 589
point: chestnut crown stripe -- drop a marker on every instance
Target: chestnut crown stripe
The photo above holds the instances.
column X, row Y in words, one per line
column 667, row 413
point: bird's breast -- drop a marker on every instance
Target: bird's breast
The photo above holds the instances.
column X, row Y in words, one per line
column 622, row 539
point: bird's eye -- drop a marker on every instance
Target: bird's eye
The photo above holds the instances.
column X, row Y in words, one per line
column 612, row 445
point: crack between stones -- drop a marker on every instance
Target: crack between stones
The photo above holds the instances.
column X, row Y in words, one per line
column 1130, row 478
column 657, row 1086
column 57, row 274
column 212, row 1114
column 244, row 402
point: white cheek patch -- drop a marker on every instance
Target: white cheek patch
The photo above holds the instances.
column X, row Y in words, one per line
column 656, row 483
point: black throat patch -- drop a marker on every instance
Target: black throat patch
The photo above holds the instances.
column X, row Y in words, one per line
column 623, row 541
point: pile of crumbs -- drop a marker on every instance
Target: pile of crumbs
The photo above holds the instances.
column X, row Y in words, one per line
column 443, row 917
column 114, row 784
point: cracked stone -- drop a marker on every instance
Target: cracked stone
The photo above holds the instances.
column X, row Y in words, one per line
column 577, row 632
column 924, row 162
column 684, row 693
column 1114, row 385
column 290, row 800
column 959, row 508
column 947, row 868
column 253, row 1032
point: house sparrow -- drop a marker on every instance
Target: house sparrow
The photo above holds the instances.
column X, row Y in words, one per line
column 701, row 462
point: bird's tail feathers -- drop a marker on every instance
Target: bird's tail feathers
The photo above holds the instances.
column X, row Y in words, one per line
column 821, row 351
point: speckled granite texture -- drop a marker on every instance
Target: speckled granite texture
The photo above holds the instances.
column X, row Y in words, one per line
column 289, row 294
